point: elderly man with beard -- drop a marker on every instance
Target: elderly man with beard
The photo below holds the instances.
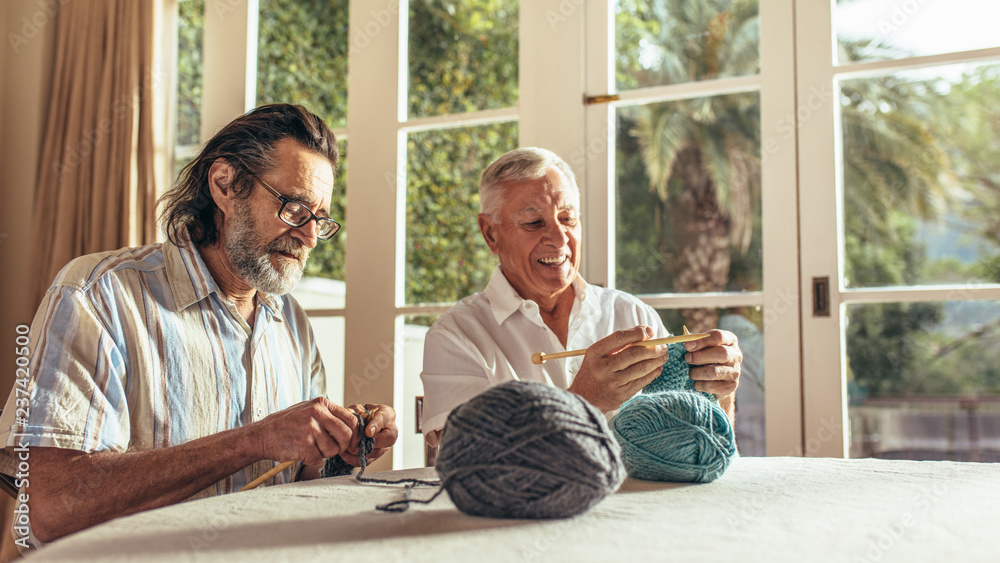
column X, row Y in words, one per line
column 183, row 370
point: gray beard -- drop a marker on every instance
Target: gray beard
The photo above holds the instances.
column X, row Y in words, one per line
column 254, row 265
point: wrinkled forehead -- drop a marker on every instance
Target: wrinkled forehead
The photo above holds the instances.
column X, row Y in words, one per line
column 551, row 191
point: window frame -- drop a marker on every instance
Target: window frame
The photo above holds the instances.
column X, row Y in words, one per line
column 806, row 400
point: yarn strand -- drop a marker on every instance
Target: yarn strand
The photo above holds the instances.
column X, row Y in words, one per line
column 336, row 466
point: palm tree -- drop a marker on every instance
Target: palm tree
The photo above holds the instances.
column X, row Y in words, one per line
column 701, row 156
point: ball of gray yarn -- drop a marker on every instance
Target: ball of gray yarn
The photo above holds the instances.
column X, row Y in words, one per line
column 528, row 450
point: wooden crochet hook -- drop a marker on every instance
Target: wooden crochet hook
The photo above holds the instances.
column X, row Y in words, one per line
column 540, row 358
column 277, row 469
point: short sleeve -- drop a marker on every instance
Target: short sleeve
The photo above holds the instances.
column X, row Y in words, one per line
column 76, row 381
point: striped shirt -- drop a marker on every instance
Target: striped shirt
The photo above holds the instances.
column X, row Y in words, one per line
column 137, row 349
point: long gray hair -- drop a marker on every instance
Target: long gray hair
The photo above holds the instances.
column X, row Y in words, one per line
column 247, row 143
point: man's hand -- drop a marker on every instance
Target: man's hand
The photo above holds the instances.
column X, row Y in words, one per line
column 715, row 366
column 310, row 431
column 382, row 427
column 613, row 370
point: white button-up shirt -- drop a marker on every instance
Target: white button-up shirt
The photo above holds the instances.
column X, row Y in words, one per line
column 488, row 338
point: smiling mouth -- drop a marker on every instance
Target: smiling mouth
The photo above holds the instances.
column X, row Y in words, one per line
column 554, row 260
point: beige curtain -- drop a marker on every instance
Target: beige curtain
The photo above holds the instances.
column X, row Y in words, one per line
column 99, row 165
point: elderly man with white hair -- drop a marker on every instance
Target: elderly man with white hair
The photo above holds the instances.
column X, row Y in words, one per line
column 536, row 301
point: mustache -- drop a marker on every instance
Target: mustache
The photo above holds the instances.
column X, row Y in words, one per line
column 289, row 245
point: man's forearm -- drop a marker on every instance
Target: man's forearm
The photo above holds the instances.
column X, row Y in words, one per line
column 71, row 490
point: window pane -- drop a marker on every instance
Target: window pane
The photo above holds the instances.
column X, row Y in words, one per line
column 190, row 68
column 688, row 196
column 446, row 257
column 414, row 332
column 924, row 380
column 302, row 56
column 462, row 56
column 748, row 324
column 675, row 41
column 322, row 285
column 895, row 29
column 921, row 194
column 330, row 333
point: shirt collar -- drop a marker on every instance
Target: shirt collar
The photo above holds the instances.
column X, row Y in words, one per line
column 190, row 280
column 504, row 299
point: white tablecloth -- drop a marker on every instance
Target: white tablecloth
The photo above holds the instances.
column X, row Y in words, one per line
column 762, row 509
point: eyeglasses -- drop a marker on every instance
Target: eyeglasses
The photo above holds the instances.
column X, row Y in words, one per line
column 295, row 214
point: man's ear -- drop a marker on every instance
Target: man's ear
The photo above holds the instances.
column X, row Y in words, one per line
column 489, row 231
column 221, row 176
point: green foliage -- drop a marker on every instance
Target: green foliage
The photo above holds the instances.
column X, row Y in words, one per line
column 302, row 59
column 916, row 147
column 970, row 121
column 302, row 56
column 885, row 345
column 463, row 56
column 699, row 156
column 190, row 68
column 898, row 174
column 446, row 257
column 671, row 42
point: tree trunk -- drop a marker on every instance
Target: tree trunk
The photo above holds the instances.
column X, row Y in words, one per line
column 699, row 232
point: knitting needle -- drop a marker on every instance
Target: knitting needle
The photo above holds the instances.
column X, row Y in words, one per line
column 277, row 469
column 540, row 358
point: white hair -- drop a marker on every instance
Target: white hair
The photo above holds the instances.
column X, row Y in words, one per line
column 518, row 165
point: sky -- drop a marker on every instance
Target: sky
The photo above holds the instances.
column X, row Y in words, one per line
column 923, row 27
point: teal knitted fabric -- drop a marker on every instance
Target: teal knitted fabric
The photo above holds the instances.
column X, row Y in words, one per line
column 675, row 375
column 673, row 433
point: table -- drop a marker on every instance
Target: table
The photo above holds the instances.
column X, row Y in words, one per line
column 762, row 509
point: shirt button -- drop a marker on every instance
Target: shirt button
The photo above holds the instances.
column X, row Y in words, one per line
column 260, row 412
column 530, row 304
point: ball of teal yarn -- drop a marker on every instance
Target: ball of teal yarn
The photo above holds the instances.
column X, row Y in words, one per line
column 676, row 436
column 676, row 373
column 528, row 450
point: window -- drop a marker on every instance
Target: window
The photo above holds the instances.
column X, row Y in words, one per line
column 908, row 192
column 722, row 168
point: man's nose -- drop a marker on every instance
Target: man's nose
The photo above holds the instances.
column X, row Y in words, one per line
column 555, row 232
column 308, row 233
